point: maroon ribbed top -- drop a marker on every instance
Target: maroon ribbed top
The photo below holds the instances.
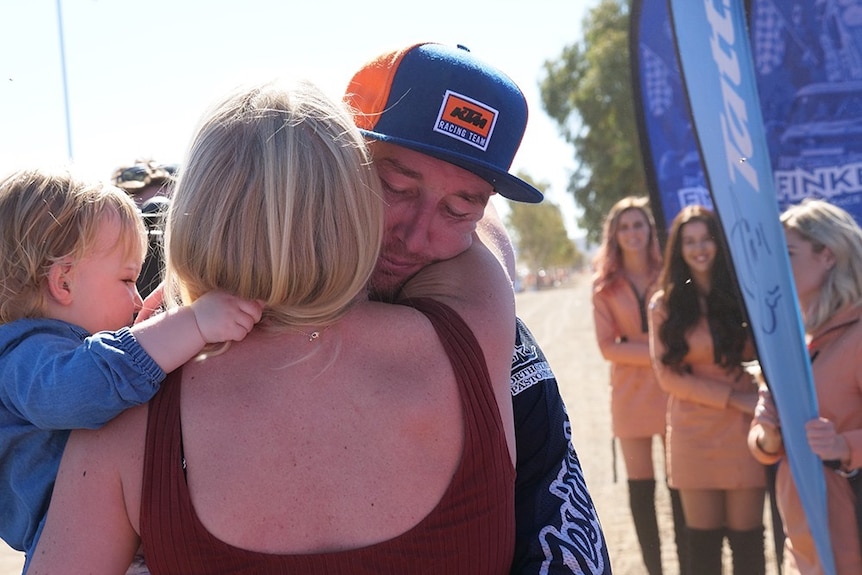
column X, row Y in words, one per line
column 470, row 531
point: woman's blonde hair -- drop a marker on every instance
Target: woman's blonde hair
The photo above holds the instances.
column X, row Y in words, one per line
column 828, row 226
column 276, row 201
column 47, row 216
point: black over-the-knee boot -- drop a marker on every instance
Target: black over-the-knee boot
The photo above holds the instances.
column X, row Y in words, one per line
column 679, row 531
column 774, row 515
column 704, row 551
column 642, row 503
column 747, row 547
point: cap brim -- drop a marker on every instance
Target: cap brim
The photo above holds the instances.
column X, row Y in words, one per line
column 504, row 183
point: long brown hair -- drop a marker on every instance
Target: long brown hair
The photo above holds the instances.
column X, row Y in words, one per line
column 724, row 309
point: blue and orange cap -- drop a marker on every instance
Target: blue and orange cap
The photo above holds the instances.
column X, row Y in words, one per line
column 443, row 102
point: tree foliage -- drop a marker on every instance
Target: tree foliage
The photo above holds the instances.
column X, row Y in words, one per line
column 588, row 92
column 539, row 234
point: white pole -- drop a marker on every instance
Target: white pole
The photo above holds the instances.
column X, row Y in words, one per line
column 65, row 84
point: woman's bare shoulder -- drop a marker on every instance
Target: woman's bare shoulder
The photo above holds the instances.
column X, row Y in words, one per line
column 391, row 327
column 127, row 428
column 115, row 450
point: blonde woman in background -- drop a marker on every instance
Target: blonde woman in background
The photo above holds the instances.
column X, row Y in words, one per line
column 825, row 248
column 626, row 267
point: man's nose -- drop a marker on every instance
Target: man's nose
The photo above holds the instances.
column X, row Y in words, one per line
column 415, row 231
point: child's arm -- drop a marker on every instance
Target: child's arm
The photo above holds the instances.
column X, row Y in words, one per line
column 176, row 336
column 59, row 377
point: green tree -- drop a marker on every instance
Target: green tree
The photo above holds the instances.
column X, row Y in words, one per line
column 539, row 234
column 588, row 92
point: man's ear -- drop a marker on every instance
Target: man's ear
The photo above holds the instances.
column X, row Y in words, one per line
column 59, row 282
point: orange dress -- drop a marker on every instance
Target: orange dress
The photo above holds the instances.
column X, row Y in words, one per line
column 838, row 386
column 707, row 441
column 638, row 404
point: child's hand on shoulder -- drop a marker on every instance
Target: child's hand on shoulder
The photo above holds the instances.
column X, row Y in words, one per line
column 224, row 317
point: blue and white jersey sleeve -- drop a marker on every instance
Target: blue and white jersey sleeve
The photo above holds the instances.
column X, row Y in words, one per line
column 557, row 527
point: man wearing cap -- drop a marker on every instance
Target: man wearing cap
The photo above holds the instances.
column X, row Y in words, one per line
column 444, row 128
column 150, row 185
column 145, row 179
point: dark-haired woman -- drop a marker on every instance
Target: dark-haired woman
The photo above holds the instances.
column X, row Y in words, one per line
column 699, row 341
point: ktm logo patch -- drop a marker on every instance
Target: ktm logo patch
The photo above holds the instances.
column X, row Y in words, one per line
column 466, row 119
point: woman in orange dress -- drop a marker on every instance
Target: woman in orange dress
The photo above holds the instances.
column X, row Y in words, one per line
column 825, row 247
column 627, row 265
column 699, row 340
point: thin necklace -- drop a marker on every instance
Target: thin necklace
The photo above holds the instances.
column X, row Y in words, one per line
column 311, row 335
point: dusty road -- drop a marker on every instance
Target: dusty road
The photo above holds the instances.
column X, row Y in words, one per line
column 561, row 320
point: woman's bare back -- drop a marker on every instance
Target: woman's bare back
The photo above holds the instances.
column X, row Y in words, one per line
column 353, row 423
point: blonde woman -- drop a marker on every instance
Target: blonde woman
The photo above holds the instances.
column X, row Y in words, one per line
column 825, row 248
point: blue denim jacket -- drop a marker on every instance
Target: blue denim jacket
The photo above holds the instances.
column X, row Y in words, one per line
column 55, row 377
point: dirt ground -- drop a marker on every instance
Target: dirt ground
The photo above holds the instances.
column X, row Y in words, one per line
column 561, row 320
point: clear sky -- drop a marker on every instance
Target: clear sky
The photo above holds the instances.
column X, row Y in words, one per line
column 139, row 73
